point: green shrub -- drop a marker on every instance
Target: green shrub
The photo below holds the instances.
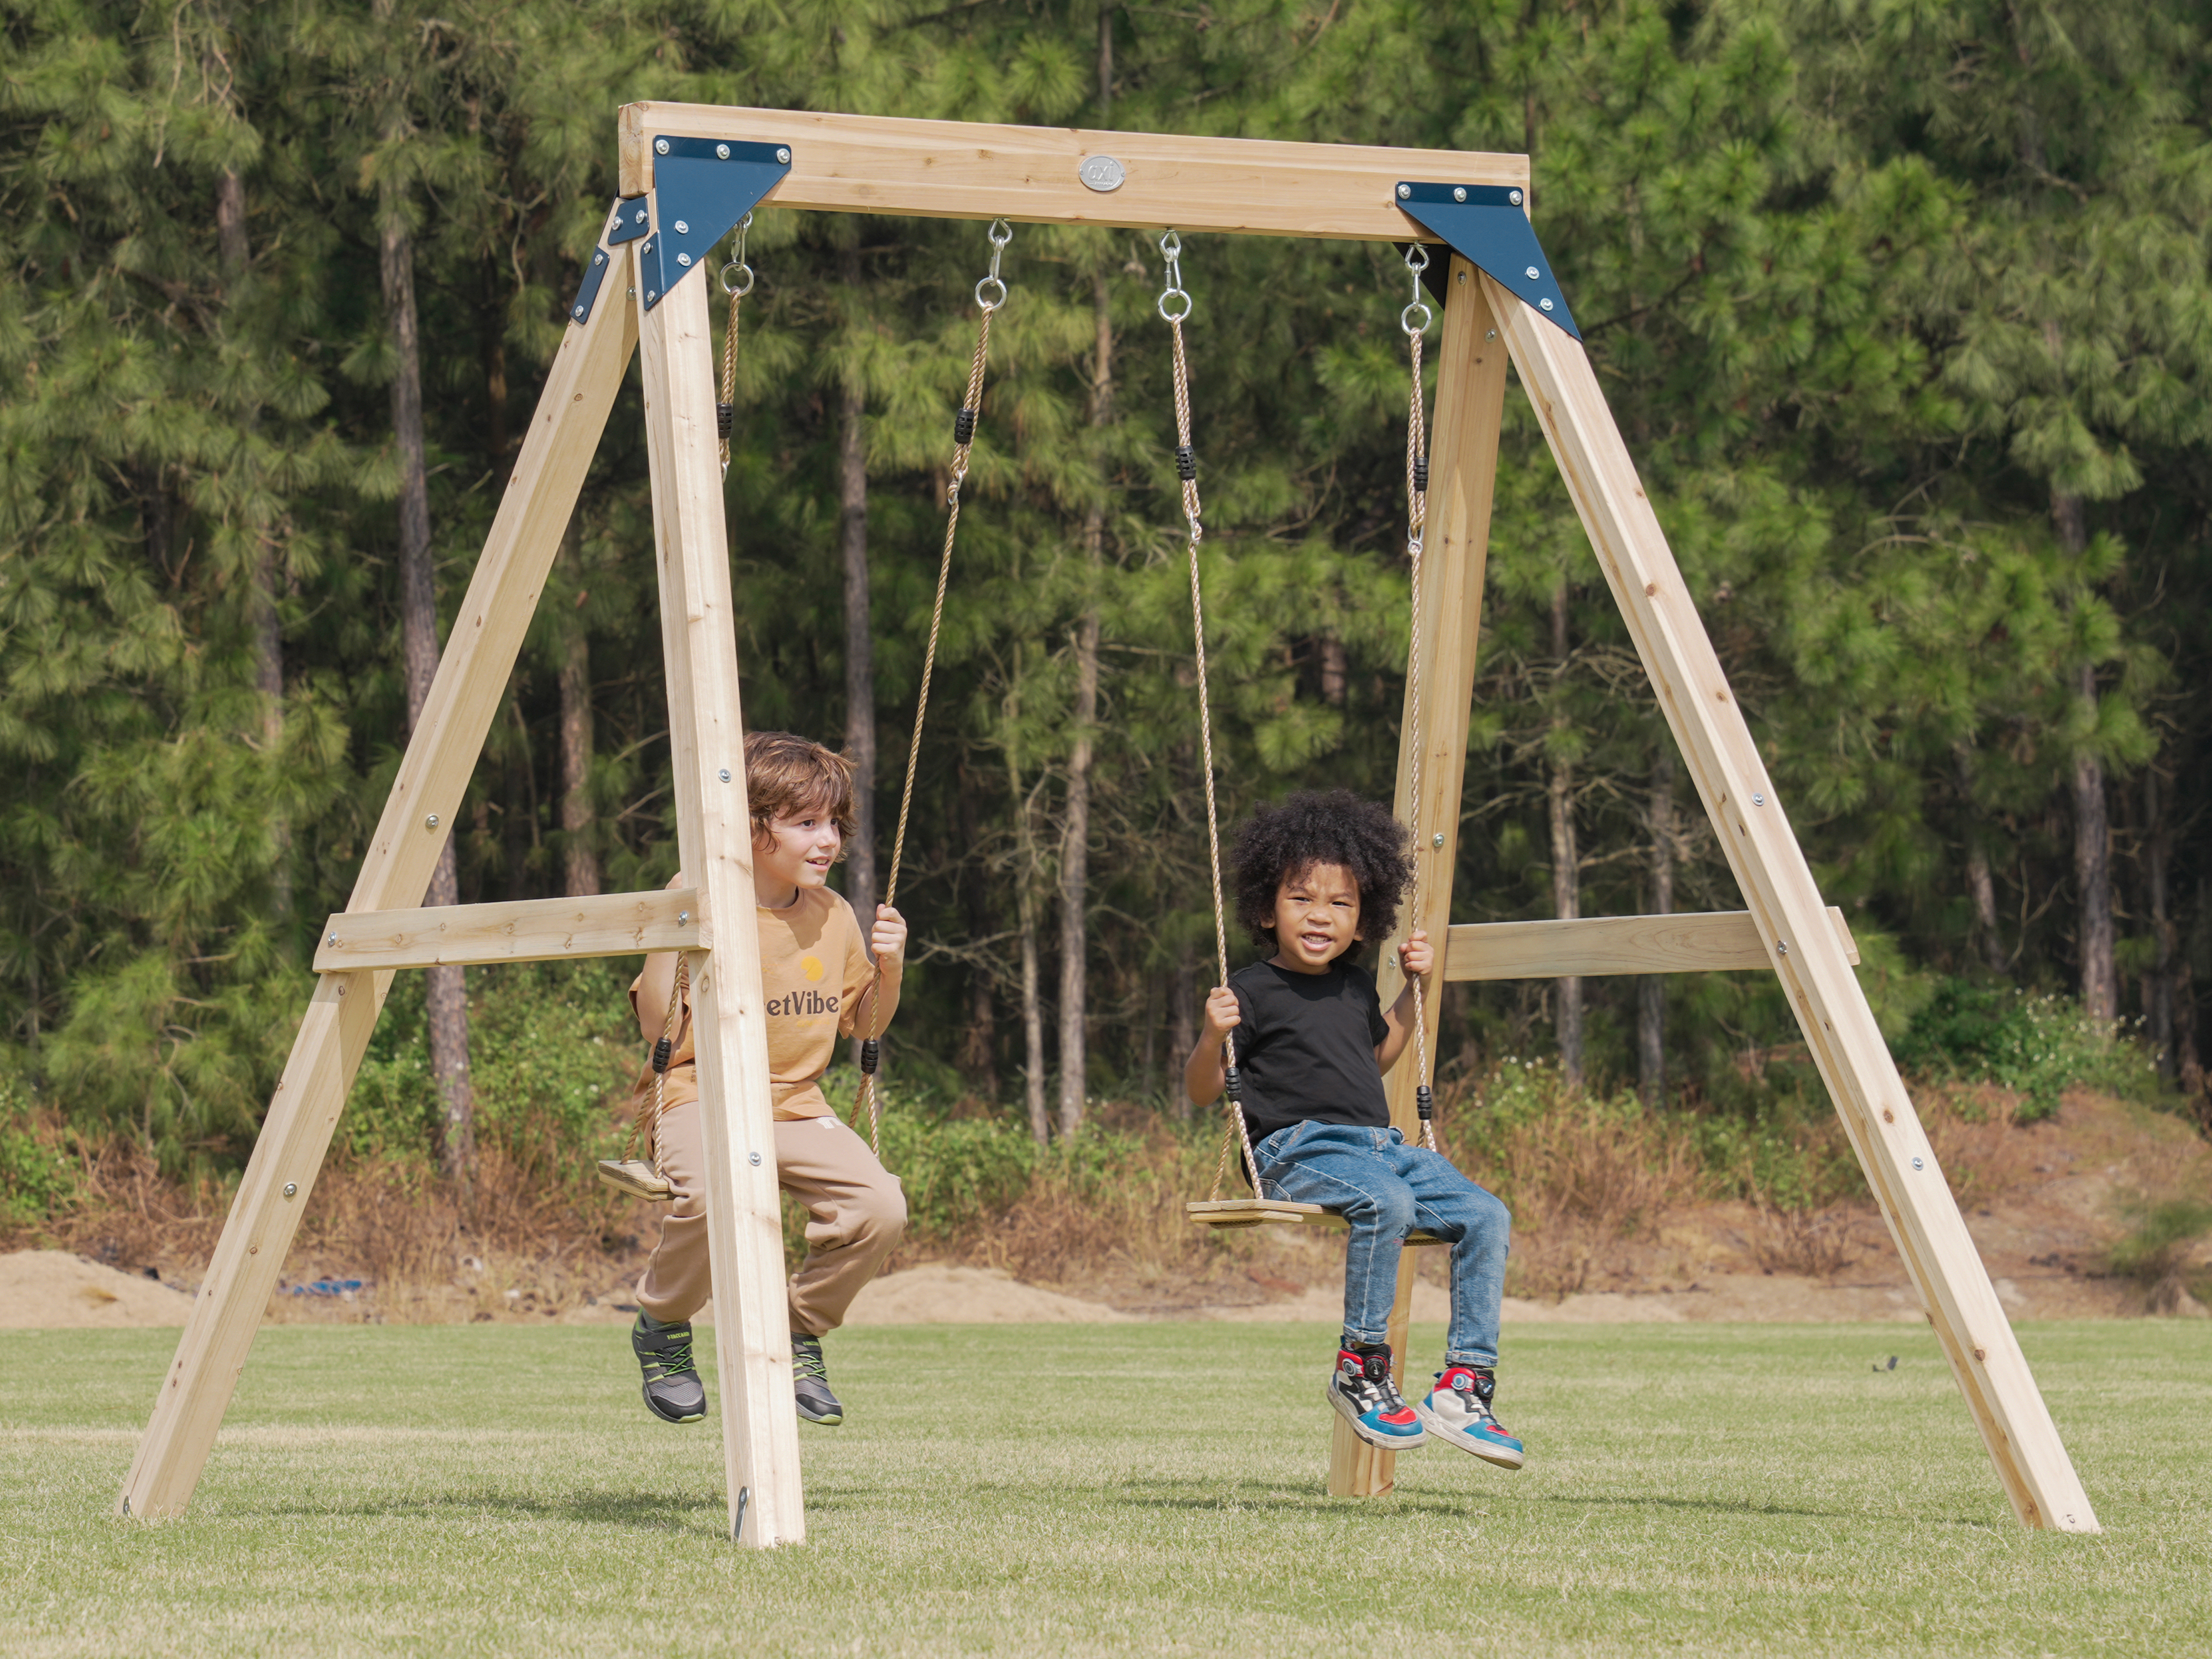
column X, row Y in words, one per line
column 2036, row 1044
column 36, row 1176
column 2160, row 1238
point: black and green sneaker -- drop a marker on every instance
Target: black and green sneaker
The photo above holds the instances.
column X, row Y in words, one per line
column 673, row 1392
column 810, row 1382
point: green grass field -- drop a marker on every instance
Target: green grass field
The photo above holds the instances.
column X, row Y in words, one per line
column 497, row 1490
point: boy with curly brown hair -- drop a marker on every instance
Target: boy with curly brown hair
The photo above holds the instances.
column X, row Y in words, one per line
column 1315, row 877
column 820, row 982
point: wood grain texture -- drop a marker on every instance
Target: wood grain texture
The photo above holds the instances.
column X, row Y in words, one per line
column 1470, row 406
column 713, row 831
column 525, row 930
column 472, row 677
column 973, row 170
column 1596, row 946
column 1769, row 869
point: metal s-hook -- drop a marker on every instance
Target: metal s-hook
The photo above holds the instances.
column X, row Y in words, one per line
column 1171, row 249
column 1417, row 261
column 1001, row 234
column 738, row 275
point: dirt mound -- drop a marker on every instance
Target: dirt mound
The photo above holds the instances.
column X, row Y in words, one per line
column 52, row 1289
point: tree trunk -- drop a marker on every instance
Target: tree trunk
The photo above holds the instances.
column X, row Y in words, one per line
column 267, row 629
column 2157, row 985
column 1981, row 885
column 1566, row 867
column 579, row 860
column 447, row 992
column 1651, row 989
column 1025, row 919
column 859, row 638
column 979, row 1043
column 2093, row 841
column 1075, row 848
column 1335, row 670
column 1183, row 1026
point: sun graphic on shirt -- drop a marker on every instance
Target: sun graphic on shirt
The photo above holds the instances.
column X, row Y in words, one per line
column 812, row 967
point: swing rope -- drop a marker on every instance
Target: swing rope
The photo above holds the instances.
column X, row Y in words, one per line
column 1414, row 319
column 964, row 440
column 1239, row 1133
column 737, row 278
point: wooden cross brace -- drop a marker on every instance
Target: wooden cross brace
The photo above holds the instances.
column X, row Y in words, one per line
column 953, row 169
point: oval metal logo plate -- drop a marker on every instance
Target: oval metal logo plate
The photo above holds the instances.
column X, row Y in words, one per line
column 1102, row 173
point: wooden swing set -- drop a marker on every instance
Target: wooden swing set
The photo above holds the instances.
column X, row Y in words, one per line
column 690, row 175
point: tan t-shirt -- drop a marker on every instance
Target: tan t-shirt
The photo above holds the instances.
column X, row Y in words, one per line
column 816, row 975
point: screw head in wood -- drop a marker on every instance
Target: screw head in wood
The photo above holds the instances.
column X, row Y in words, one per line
column 660, row 147
column 721, row 152
column 1438, row 839
column 755, row 1156
column 1514, row 197
column 1781, row 947
column 724, row 774
column 682, row 916
column 333, row 939
column 431, row 822
column 1758, row 801
column 1405, row 190
column 1459, row 192
column 291, row 1189
column 1917, row 1165
column 782, row 153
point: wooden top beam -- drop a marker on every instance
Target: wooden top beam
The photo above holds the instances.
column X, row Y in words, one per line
column 528, row 929
column 975, row 170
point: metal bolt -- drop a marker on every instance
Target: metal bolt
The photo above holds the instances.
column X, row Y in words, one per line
column 1534, row 273
column 660, row 147
column 1514, row 197
column 333, row 939
column 721, row 152
column 1459, row 192
column 682, row 229
column 1758, row 801
column 724, row 774
column 641, row 217
column 755, row 1156
column 651, row 295
column 1488, row 333
column 1917, row 1165
column 580, row 312
column 1437, row 840
column 630, row 293
column 682, row 916
column 1781, row 947
column 683, row 258
column 782, row 153
column 1405, row 190
column 291, row 1189
column 430, row 823
column 1545, row 304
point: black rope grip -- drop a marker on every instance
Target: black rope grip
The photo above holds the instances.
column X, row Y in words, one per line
column 661, row 1050
column 1421, row 472
column 1233, row 1085
column 726, row 416
column 1425, row 1103
column 963, row 427
column 870, row 1051
column 1186, row 464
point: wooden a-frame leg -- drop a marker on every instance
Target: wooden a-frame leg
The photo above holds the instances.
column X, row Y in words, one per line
column 1778, row 887
column 706, row 734
column 472, row 675
column 1470, row 403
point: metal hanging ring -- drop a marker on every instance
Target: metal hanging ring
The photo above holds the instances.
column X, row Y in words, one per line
column 1175, row 294
column 990, row 282
column 1171, row 249
column 737, row 279
column 1407, row 318
column 1001, row 233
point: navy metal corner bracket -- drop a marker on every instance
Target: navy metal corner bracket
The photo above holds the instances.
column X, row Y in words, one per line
column 1486, row 225
column 702, row 188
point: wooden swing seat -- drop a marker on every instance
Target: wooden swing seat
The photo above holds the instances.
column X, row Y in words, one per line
column 1225, row 1213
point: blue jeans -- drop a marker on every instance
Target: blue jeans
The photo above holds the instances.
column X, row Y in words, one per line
column 1386, row 1189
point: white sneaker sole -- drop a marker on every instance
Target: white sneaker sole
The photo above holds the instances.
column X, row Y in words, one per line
column 1488, row 1451
column 1342, row 1407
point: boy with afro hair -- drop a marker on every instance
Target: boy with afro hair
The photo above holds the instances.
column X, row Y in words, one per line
column 1315, row 878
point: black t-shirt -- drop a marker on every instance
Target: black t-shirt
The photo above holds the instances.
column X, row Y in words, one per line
column 1305, row 1048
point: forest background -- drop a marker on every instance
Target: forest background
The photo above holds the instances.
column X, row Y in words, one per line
column 1905, row 311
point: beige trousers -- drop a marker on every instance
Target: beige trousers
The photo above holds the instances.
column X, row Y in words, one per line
column 856, row 1213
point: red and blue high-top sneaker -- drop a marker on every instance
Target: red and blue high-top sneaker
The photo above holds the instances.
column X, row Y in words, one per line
column 1457, row 1412
column 1364, row 1395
